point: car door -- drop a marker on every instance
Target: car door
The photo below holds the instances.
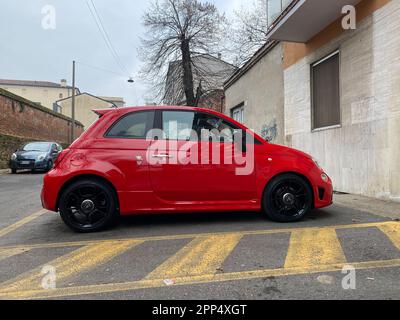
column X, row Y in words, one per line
column 124, row 147
column 187, row 167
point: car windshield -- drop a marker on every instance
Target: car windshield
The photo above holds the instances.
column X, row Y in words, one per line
column 44, row 147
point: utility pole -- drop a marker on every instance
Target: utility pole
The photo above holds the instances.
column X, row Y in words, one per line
column 73, row 102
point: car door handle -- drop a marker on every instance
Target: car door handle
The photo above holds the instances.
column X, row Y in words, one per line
column 162, row 156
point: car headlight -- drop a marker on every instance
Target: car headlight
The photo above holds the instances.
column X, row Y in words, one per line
column 14, row 156
column 41, row 157
column 325, row 177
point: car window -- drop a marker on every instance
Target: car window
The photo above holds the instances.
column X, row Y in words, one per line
column 178, row 125
column 37, row 146
column 212, row 127
column 133, row 126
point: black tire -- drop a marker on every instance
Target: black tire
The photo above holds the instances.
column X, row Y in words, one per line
column 49, row 165
column 287, row 198
column 88, row 205
column 13, row 171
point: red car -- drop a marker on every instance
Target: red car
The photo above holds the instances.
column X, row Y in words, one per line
column 148, row 160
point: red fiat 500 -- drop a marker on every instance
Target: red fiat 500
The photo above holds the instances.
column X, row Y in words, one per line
column 175, row 160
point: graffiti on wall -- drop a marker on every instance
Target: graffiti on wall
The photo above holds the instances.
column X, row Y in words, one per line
column 269, row 131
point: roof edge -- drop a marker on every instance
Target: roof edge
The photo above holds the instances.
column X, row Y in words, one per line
column 261, row 53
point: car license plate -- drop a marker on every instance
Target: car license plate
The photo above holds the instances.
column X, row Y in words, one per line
column 25, row 162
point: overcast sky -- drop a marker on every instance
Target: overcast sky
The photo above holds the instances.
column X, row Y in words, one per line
column 29, row 52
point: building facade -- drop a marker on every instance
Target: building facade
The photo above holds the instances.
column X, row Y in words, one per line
column 340, row 89
column 84, row 105
column 42, row 92
column 209, row 75
column 254, row 95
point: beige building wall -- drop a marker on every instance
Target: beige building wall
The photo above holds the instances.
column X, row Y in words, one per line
column 46, row 96
column 363, row 155
column 84, row 104
column 262, row 92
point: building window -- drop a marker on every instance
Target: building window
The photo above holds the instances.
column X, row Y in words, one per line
column 60, row 96
column 237, row 113
column 326, row 92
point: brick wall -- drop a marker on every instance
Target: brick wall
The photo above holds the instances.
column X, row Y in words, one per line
column 22, row 120
column 214, row 100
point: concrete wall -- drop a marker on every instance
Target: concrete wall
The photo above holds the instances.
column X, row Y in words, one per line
column 22, row 121
column 363, row 156
column 84, row 104
column 261, row 89
column 45, row 96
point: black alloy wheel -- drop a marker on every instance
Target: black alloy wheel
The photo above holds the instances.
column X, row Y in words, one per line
column 88, row 206
column 288, row 198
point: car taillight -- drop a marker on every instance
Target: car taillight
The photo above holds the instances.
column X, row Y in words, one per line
column 61, row 157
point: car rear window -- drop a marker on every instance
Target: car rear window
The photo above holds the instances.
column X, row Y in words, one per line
column 132, row 126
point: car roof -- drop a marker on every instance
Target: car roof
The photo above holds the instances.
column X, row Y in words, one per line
column 124, row 110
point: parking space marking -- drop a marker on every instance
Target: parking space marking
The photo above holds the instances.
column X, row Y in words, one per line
column 311, row 250
column 21, row 222
column 192, row 280
column 8, row 253
column 393, row 232
column 314, row 247
column 200, row 256
column 71, row 264
column 204, row 235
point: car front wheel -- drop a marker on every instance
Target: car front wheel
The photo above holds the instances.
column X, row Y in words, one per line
column 287, row 198
column 88, row 206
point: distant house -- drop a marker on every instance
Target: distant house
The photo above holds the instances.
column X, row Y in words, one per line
column 84, row 104
column 209, row 75
column 117, row 101
column 41, row 92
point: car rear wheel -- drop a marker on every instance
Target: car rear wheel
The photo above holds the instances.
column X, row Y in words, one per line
column 88, row 206
column 13, row 171
column 287, row 198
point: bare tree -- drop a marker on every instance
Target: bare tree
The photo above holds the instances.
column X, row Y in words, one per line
column 249, row 31
column 177, row 30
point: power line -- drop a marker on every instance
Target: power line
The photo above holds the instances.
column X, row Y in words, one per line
column 104, row 34
column 101, row 69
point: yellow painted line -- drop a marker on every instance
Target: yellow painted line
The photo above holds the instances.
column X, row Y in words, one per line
column 20, row 223
column 7, row 253
column 204, row 235
column 200, row 256
column 191, row 280
column 70, row 265
column 308, row 248
column 393, row 232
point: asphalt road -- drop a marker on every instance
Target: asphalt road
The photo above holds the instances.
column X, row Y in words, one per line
column 195, row 256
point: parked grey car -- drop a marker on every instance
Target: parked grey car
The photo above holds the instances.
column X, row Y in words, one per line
column 35, row 156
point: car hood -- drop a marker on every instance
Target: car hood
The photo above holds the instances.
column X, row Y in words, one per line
column 288, row 151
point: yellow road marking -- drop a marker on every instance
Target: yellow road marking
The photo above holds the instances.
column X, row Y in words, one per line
column 192, row 280
column 69, row 265
column 7, row 253
column 200, row 256
column 314, row 247
column 20, row 223
column 204, row 235
column 393, row 232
